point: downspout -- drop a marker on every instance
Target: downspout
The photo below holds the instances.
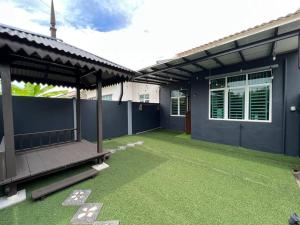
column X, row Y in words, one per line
column 121, row 93
column 284, row 106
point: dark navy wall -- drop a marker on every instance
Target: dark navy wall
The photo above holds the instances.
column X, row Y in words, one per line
column 40, row 114
column 145, row 116
column 293, row 99
column 114, row 119
column 267, row 137
column 166, row 121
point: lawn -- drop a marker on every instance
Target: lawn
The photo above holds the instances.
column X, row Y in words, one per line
column 174, row 180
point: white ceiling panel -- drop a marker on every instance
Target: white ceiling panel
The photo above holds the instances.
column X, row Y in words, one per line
column 289, row 27
column 196, row 55
column 256, row 37
column 209, row 64
column 222, row 48
column 230, row 59
column 257, row 52
column 286, row 45
column 191, row 68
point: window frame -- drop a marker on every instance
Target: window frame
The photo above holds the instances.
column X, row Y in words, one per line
column 105, row 96
column 145, row 100
column 247, row 95
column 178, row 101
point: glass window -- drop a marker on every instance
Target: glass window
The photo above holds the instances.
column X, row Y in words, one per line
column 242, row 97
column 236, row 81
column 107, row 97
column 236, row 103
column 217, row 83
column 259, row 103
column 144, row 98
column 178, row 102
column 260, row 78
column 217, row 104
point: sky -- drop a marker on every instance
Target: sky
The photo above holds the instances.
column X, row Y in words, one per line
column 137, row 33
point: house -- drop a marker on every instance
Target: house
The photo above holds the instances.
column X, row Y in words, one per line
column 136, row 92
column 240, row 90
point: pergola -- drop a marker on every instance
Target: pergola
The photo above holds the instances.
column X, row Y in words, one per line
column 265, row 41
column 31, row 57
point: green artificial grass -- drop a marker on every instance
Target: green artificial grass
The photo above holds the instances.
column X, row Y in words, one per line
column 172, row 179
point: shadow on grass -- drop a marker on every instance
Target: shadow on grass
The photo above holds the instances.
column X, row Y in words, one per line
column 125, row 167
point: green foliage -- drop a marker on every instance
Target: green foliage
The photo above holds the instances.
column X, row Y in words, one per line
column 36, row 90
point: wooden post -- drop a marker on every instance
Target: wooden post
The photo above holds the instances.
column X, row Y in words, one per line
column 99, row 114
column 8, row 123
column 78, row 117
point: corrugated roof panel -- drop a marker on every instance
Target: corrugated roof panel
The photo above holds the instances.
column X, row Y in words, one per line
column 257, row 52
column 195, row 56
column 222, row 48
column 48, row 42
column 257, row 37
column 230, row 59
column 289, row 27
column 191, row 68
column 209, row 64
column 286, row 45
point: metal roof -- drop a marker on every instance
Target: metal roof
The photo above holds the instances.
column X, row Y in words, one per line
column 263, row 41
column 23, row 44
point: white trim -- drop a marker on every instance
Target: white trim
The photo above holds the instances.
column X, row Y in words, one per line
column 247, row 87
column 242, row 72
column 178, row 106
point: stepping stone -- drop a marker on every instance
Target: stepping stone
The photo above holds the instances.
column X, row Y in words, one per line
column 87, row 213
column 100, row 167
column 139, row 143
column 111, row 222
column 131, row 145
column 77, row 197
column 113, row 151
column 122, row 148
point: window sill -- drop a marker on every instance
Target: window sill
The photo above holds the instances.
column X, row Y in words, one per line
column 233, row 120
column 177, row 115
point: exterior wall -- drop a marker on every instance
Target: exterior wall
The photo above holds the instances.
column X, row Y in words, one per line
column 166, row 120
column 145, row 116
column 275, row 137
column 131, row 92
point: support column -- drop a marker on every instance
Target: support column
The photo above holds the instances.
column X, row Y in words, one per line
column 78, row 117
column 129, row 117
column 8, row 123
column 99, row 114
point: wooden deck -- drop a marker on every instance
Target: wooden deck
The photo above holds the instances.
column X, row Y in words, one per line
column 39, row 162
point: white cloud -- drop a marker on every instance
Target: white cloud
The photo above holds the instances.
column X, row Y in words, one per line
column 160, row 28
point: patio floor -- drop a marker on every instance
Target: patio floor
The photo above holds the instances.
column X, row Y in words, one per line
column 40, row 161
column 171, row 179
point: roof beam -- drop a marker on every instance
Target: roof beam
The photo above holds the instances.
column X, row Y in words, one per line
column 215, row 59
column 151, row 80
column 194, row 64
column 180, row 69
column 240, row 53
column 161, row 78
column 164, row 74
column 274, row 43
column 232, row 50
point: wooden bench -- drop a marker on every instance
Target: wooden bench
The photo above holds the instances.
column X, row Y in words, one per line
column 47, row 190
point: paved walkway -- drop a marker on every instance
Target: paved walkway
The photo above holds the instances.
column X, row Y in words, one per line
column 88, row 212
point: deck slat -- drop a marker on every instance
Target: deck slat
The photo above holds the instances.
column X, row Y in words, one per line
column 22, row 168
column 45, row 191
column 52, row 159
